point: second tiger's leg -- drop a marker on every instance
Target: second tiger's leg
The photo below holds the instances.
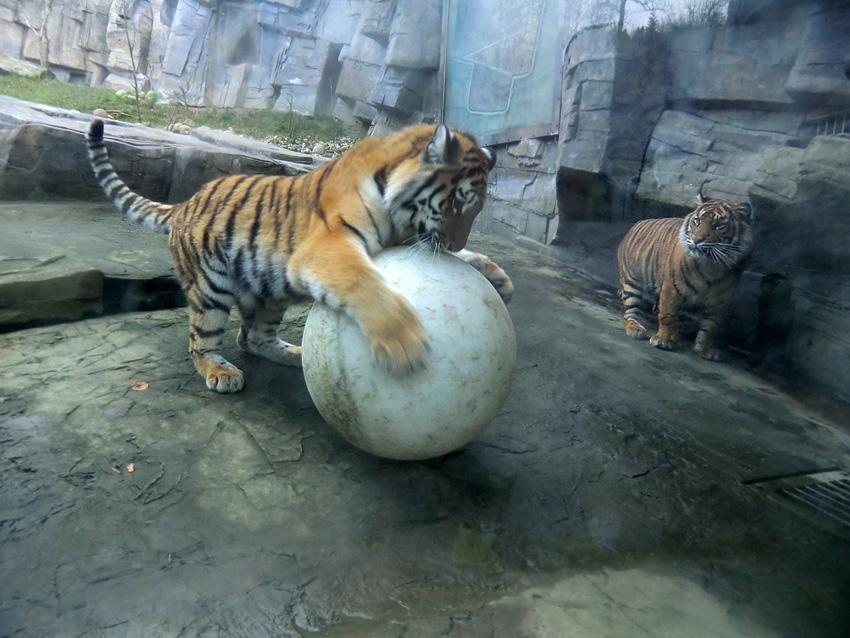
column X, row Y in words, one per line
column 632, row 303
column 258, row 335
column 491, row 270
column 669, row 305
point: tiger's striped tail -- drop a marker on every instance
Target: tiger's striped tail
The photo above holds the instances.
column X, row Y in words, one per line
column 153, row 215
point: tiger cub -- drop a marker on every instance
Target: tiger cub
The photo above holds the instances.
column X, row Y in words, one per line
column 262, row 242
column 691, row 264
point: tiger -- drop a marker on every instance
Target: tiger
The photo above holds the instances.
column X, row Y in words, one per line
column 260, row 243
column 691, row 264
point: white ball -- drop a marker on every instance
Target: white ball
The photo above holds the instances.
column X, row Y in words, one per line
column 429, row 412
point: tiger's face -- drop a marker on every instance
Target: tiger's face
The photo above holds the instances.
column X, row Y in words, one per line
column 718, row 230
column 450, row 192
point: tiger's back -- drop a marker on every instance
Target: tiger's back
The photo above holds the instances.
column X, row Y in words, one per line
column 685, row 264
column 261, row 242
column 644, row 255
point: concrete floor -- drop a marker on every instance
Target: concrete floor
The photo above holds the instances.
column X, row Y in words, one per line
column 608, row 498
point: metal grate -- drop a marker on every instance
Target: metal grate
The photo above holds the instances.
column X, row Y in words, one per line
column 823, row 496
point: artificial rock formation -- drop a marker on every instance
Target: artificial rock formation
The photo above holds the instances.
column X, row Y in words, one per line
column 366, row 61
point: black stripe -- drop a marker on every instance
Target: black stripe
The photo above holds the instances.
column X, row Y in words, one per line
column 255, row 224
column 231, row 220
column 128, row 204
column 206, row 334
column 293, row 218
column 287, row 287
column 275, row 213
column 195, row 307
column 219, row 253
column 212, row 189
column 214, row 288
column 328, row 169
column 214, row 304
column 355, row 231
column 220, row 273
column 380, row 178
column 376, row 227
column 265, row 284
column 200, row 210
column 241, row 265
column 245, row 196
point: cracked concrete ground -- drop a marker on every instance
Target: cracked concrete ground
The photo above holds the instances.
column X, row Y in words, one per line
column 608, row 498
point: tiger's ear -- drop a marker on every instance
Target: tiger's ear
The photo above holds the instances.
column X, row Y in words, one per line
column 491, row 157
column 745, row 212
column 442, row 148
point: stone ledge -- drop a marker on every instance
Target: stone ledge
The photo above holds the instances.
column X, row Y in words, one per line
column 43, row 155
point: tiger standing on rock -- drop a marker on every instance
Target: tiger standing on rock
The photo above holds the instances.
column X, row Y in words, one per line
column 261, row 243
column 679, row 265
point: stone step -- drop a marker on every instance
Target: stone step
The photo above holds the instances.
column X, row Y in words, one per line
column 64, row 261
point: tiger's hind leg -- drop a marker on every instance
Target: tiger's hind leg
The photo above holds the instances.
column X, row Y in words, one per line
column 258, row 335
column 494, row 274
column 207, row 321
column 632, row 303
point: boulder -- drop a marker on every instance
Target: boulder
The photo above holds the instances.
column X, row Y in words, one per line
column 715, row 152
column 740, row 65
column 818, row 77
column 12, row 66
column 416, row 26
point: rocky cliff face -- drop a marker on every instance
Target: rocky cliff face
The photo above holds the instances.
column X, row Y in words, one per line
column 361, row 60
column 759, row 110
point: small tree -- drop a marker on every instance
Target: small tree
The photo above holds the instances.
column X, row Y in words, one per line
column 647, row 5
column 703, row 13
column 653, row 27
column 131, row 31
column 38, row 24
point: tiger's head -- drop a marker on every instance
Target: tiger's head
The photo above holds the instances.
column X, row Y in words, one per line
column 719, row 230
column 434, row 197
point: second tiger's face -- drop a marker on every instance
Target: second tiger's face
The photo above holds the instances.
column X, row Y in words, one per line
column 717, row 229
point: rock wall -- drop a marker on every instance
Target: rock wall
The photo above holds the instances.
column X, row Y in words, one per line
column 43, row 156
column 366, row 61
column 759, row 110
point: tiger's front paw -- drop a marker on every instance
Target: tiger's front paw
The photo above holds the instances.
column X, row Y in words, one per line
column 398, row 339
column 491, row 270
column 660, row 342
column 635, row 330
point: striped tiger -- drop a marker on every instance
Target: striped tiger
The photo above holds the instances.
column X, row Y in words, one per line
column 685, row 265
column 260, row 243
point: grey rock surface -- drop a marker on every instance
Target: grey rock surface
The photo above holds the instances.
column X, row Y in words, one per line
column 288, row 55
column 606, row 498
column 43, row 155
column 63, row 261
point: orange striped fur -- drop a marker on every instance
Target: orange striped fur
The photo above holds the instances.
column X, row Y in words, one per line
column 262, row 242
column 690, row 264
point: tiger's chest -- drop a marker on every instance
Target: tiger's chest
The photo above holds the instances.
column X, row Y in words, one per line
column 698, row 281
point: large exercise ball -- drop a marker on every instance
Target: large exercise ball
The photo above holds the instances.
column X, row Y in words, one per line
column 433, row 411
